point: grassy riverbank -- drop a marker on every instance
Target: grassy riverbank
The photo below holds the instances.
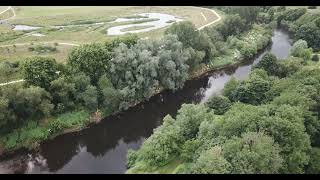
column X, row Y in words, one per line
column 32, row 134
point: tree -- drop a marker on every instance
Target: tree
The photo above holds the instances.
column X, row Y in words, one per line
column 220, row 104
column 229, row 88
column 314, row 164
column 186, row 33
column 233, row 25
column 253, row 153
column 32, row 102
column 91, row 59
column 211, row 162
column 90, row 98
column 172, row 69
column 5, row 69
column 128, row 40
column 310, row 33
column 6, row 114
column 158, row 149
column 189, row 119
column 283, row 123
column 289, row 66
column 40, row 71
column 63, row 94
column 249, row 13
column 109, row 98
column 134, row 71
column 300, row 49
column 254, row 90
column 81, row 82
column 269, row 64
column 189, row 148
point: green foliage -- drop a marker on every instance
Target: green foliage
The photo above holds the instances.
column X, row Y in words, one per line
column 90, row 98
column 229, row 87
column 128, row 40
column 269, row 64
column 69, row 120
column 173, row 70
column 309, row 32
column 91, row 59
column 272, row 138
column 110, row 98
column 186, row 33
column 253, row 153
column 63, row 94
column 158, row 149
column 32, row 102
column 253, row 90
column 300, row 49
column 220, row 104
column 28, row 137
column 42, row 49
column 289, row 66
column 40, row 71
column 189, row 148
column 233, row 25
column 314, row 164
column 211, row 162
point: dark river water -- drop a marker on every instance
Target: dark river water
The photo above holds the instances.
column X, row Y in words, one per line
column 102, row 148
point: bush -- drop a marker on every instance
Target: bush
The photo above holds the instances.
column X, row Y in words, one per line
column 220, row 104
column 314, row 164
column 69, row 120
column 189, row 148
column 269, row 64
column 29, row 136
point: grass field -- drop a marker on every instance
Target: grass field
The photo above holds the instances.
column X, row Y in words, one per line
column 46, row 16
column 78, row 33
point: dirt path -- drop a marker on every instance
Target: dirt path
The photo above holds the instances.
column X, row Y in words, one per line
column 210, row 23
column 14, row 13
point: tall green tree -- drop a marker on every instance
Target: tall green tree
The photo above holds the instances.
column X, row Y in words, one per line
column 253, row 153
column 91, row 60
column 269, row 64
column 40, row 71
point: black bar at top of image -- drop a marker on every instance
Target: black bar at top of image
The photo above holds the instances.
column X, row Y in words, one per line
column 160, row 2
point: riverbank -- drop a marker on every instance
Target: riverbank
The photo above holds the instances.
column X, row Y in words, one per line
column 94, row 119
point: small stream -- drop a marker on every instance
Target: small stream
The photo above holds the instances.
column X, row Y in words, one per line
column 102, row 148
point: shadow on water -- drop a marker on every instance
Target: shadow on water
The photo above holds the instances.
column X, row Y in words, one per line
column 102, row 148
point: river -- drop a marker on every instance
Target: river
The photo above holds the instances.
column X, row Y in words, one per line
column 102, row 148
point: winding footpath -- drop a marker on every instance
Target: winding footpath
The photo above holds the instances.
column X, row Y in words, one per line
column 9, row 8
column 72, row 44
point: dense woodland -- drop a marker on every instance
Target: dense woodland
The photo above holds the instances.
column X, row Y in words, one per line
column 268, row 123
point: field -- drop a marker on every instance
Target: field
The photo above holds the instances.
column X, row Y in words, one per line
column 80, row 15
column 15, row 45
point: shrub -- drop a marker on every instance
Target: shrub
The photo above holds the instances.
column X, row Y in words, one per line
column 220, row 104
